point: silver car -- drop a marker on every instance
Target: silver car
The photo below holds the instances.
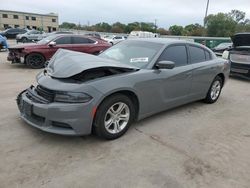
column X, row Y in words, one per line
column 32, row 35
column 79, row 93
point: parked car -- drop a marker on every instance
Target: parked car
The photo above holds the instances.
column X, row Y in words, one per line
column 12, row 32
column 114, row 39
column 35, row 55
column 32, row 35
column 79, row 93
column 3, row 43
column 218, row 50
column 96, row 35
column 55, row 33
column 239, row 55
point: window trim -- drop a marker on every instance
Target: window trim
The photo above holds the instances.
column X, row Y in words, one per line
column 171, row 45
column 62, row 37
column 205, row 50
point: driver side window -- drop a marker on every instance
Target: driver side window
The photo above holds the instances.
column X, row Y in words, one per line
column 177, row 54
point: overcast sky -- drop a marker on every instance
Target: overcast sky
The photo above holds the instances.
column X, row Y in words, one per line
column 167, row 12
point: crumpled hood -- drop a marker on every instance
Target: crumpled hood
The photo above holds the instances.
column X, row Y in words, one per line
column 67, row 63
column 241, row 39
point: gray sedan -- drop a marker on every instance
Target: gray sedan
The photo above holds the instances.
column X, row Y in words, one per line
column 78, row 94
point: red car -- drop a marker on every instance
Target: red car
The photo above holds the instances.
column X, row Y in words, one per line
column 35, row 55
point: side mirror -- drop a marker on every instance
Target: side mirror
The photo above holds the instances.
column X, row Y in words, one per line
column 52, row 43
column 165, row 65
column 225, row 55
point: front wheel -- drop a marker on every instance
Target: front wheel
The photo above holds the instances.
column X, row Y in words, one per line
column 35, row 61
column 214, row 90
column 114, row 116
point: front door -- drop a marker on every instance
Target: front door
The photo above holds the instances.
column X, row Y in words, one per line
column 173, row 85
column 63, row 42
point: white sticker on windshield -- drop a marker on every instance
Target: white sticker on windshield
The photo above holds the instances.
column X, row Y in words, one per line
column 139, row 60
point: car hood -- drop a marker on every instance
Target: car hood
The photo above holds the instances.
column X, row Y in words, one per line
column 67, row 63
column 241, row 39
column 22, row 46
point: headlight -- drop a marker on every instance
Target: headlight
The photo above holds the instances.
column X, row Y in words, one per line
column 72, row 97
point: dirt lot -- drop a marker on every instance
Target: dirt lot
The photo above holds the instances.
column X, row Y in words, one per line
column 196, row 145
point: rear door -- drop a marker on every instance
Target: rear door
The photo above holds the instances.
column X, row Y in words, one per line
column 83, row 44
column 204, row 70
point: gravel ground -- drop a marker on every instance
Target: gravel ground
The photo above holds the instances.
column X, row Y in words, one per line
column 196, row 145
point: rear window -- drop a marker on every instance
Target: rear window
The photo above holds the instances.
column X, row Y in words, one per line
column 63, row 40
column 197, row 54
column 81, row 40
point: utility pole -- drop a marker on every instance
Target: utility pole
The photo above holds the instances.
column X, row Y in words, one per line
column 206, row 13
column 155, row 25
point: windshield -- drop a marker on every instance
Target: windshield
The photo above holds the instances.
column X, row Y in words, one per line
column 132, row 52
column 47, row 39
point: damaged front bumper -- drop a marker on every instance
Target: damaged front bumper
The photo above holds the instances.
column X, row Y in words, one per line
column 15, row 57
column 59, row 118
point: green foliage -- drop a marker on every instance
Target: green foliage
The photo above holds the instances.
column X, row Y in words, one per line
column 217, row 25
column 193, row 30
column 176, row 30
column 220, row 25
column 162, row 31
column 68, row 25
column 237, row 15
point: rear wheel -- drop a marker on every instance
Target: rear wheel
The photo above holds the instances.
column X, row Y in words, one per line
column 35, row 61
column 114, row 117
column 214, row 90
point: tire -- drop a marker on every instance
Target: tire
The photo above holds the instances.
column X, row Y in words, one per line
column 117, row 121
column 35, row 61
column 24, row 39
column 214, row 91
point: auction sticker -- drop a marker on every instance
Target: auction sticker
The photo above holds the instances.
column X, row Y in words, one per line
column 139, row 60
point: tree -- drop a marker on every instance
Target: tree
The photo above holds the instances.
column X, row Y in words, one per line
column 193, row 30
column 68, row 25
column 135, row 26
column 162, row 31
column 220, row 25
column 176, row 30
column 118, row 27
column 237, row 15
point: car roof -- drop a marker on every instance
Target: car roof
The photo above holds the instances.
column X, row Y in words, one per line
column 164, row 41
column 76, row 35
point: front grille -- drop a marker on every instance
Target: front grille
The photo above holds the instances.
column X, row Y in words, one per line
column 45, row 93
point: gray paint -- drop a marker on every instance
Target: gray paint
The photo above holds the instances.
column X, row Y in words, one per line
column 157, row 90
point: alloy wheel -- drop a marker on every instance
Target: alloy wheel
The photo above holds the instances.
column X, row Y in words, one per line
column 117, row 117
